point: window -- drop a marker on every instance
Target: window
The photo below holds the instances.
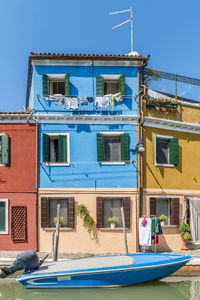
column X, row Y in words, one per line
column 166, row 150
column 167, row 206
column 3, row 216
column 49, row 211
column 112, row 147
column 110, row 84
column 56, row 148
column 4, row 149
column 108, row 207
column 55, row 84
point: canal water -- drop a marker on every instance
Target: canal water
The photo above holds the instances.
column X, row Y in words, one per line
column 172, row 288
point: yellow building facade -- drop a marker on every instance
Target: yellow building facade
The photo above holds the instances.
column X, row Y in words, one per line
column 171, row 167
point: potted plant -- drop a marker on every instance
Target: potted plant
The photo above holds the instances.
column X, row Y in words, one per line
column 184, row 230
column 55, row 220
column 162, row 218
column 112, row 221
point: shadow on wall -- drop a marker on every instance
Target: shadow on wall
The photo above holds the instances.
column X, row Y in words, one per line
column 170, row 240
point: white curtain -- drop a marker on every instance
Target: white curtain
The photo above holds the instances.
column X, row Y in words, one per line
column 195, row 217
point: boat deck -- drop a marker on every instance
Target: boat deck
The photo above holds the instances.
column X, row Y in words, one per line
column 85, row 264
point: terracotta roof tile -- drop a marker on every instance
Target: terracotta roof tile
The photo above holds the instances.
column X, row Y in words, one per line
column 34, row 55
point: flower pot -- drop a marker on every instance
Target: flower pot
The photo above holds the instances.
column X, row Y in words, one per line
column 112, row 225
column 184, row 247
column 162, row 223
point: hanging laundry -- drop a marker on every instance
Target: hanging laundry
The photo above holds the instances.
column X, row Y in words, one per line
column 158, row 227
column 90, row 99
column 156, row 239
column 51, row 98
column 83, row 100
column 70, row 102
column 103, row 102
column 145, row 232
column 144, row 222
column 59, row 100
column 153, row 225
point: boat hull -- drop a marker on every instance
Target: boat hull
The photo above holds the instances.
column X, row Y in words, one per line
column 109, row 277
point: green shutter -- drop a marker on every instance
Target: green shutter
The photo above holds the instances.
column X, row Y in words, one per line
column 45, row 148
column 5, row 149
column 124, row 138
column 67, row 84
column 2, row 216
column 62, row 148
column 121, row 86
column 100, row 147
column 173, row 151
column 99, row 86
column 45, row 80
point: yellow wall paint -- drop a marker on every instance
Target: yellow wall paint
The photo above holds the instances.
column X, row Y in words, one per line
column 186, row 175
column 182, row 113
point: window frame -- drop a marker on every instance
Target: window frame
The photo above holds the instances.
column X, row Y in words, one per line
column 54, row 78
column 2, row 165
column 6, row 216
column 110, row 78
column 51, row 134
column 161, row 137
column 111, row 133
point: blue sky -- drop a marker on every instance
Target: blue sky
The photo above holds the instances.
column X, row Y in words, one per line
column 167, row 30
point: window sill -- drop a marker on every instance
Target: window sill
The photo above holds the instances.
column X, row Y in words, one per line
column 165, row 165
column 54, row 229
column 57, row 164
column 112, row 229
column 169, row 226
column 104, row 163
column 3, row 232
column 1, row 165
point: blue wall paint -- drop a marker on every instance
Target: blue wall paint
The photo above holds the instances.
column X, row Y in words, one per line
column 84, row 170
column 83, row 83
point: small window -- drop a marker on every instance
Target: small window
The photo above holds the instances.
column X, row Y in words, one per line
column 163, row 207
column 166, row 206
column 112, row 208
column 3, row 216
column 166, row 150
column 57, row 87
column 4, row 149
column 0, row 149
column 110, row 87
column 55, row 84
column 53, row 211
column 113, row 147
column 49, row 211
column 56, row 148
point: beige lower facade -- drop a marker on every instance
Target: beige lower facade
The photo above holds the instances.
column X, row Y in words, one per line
column 170, row 239
column 78, row 239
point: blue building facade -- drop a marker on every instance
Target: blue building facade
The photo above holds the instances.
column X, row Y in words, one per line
column 86, row 108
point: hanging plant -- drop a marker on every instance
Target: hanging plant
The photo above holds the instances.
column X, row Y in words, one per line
column 88, row 221
column 160, row 102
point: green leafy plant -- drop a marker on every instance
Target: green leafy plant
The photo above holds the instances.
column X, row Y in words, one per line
column 112, row 220
column 186, row 236
column 55, row 220
column 84, row 214
column 162, row 218
column 184, row 230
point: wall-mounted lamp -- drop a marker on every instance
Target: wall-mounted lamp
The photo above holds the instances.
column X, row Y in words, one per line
column 140, row 146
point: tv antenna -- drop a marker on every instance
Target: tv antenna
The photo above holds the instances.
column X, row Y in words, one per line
column 129, row 20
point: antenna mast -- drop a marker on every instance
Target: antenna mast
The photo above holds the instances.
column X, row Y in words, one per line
column 129, row 20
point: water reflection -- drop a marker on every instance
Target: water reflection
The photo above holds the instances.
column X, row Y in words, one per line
column 183, row 290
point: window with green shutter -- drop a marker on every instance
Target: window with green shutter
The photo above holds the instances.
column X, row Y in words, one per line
column 112, row 147
column 166, row 150
column 108, row 85
column 173, row 151
column 99, row 86
column 3, row 216
column 55, row 148
column 4, row 150
column 53, row 85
